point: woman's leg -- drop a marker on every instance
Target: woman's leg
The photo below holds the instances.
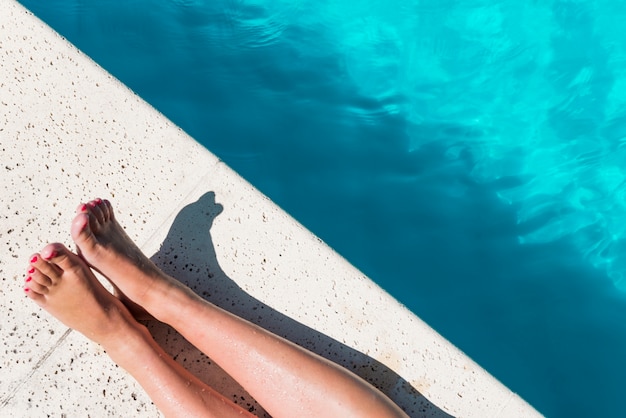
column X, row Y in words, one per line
column 285, row 379
column 60, row 282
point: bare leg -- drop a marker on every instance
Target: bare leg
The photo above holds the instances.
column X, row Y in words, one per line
column 60, row 282
column 286, row 379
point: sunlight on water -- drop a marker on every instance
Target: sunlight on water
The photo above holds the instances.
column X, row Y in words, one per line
column 537, row 94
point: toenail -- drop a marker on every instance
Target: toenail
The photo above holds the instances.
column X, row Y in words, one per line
column 34, row 259
column 98, row 201
column 26, row 289
column 32, row 270
column 28, row 279
column 83, row 208
column 52, row 255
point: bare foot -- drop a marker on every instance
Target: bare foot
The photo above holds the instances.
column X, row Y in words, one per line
column 106, row 247
column 61, row 283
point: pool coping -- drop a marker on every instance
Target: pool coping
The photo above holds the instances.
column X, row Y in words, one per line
column 69, row 130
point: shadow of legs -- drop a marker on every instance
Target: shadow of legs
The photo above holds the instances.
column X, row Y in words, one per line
column 188, row 254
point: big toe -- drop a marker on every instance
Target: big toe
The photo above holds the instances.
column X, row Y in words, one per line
column 58, row 255
column 81, row 230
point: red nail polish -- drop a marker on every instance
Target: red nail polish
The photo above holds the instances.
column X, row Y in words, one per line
column 28, row 279
column 83, row 208
column 34, row 259
column 31, row 271
column 26, row 289
column 52, row 255
column 98, row 201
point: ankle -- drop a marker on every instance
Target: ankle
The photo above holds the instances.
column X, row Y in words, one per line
column 169, row 303
column 124, row 347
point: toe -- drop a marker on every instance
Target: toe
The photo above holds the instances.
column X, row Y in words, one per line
column 82, row 208
column 81, row 228
column 38, row 262
column 51, row 250
column 57, row 255
column 38, row 277
column 34, row 287
column 32, row 294
column 96, row 210
column 107, row 209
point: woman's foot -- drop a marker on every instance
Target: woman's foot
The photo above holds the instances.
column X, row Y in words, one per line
column 60, row 282
column 106, row 247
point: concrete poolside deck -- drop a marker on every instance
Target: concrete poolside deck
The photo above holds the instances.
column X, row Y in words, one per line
column 70, row 132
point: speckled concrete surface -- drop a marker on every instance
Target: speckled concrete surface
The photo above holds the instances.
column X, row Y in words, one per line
column 70, row 132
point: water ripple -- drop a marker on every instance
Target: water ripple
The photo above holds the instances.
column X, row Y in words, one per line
column 259, row 25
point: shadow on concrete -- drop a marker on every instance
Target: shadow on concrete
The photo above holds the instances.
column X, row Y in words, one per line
column 189, row 255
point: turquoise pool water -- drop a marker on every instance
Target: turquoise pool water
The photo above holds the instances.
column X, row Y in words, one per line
column 467, row 155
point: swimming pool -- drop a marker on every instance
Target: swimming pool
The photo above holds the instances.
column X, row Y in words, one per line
column 465, row 155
